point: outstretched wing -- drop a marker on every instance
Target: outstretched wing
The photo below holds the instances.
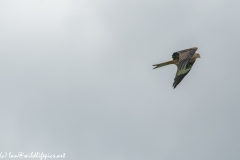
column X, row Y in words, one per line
column 184, row 66
column 179, row 78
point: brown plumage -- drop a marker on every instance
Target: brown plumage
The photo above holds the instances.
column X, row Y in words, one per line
column 184, row 60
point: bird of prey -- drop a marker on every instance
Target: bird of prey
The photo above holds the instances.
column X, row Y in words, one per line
column 184, row 60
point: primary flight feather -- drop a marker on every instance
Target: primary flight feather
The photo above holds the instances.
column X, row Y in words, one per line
column 184, row 60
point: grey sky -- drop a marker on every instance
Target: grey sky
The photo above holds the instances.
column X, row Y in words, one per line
column 77, row 77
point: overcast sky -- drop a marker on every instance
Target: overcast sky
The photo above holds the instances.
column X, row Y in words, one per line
column 76, row 77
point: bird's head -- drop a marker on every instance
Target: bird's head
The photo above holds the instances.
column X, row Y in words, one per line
column 198, row 55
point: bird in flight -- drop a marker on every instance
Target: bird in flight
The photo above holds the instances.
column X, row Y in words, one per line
column 184, row 60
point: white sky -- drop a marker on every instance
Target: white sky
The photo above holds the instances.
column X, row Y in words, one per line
column 77, row 78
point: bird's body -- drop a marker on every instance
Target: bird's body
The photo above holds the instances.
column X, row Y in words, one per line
column 184, row 60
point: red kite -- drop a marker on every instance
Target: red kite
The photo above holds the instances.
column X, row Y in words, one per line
column 184, row 60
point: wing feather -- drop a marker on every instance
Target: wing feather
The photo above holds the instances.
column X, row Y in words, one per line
column 184, row 57
column 179, row 78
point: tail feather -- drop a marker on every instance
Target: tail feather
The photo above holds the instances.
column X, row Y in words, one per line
column 164, row 64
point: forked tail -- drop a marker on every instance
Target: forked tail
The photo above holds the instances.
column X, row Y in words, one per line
column 164, row 64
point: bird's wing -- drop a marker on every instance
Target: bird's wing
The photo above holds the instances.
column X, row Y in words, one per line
column 184, row 56
column 183, row 64
column 179, row 77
